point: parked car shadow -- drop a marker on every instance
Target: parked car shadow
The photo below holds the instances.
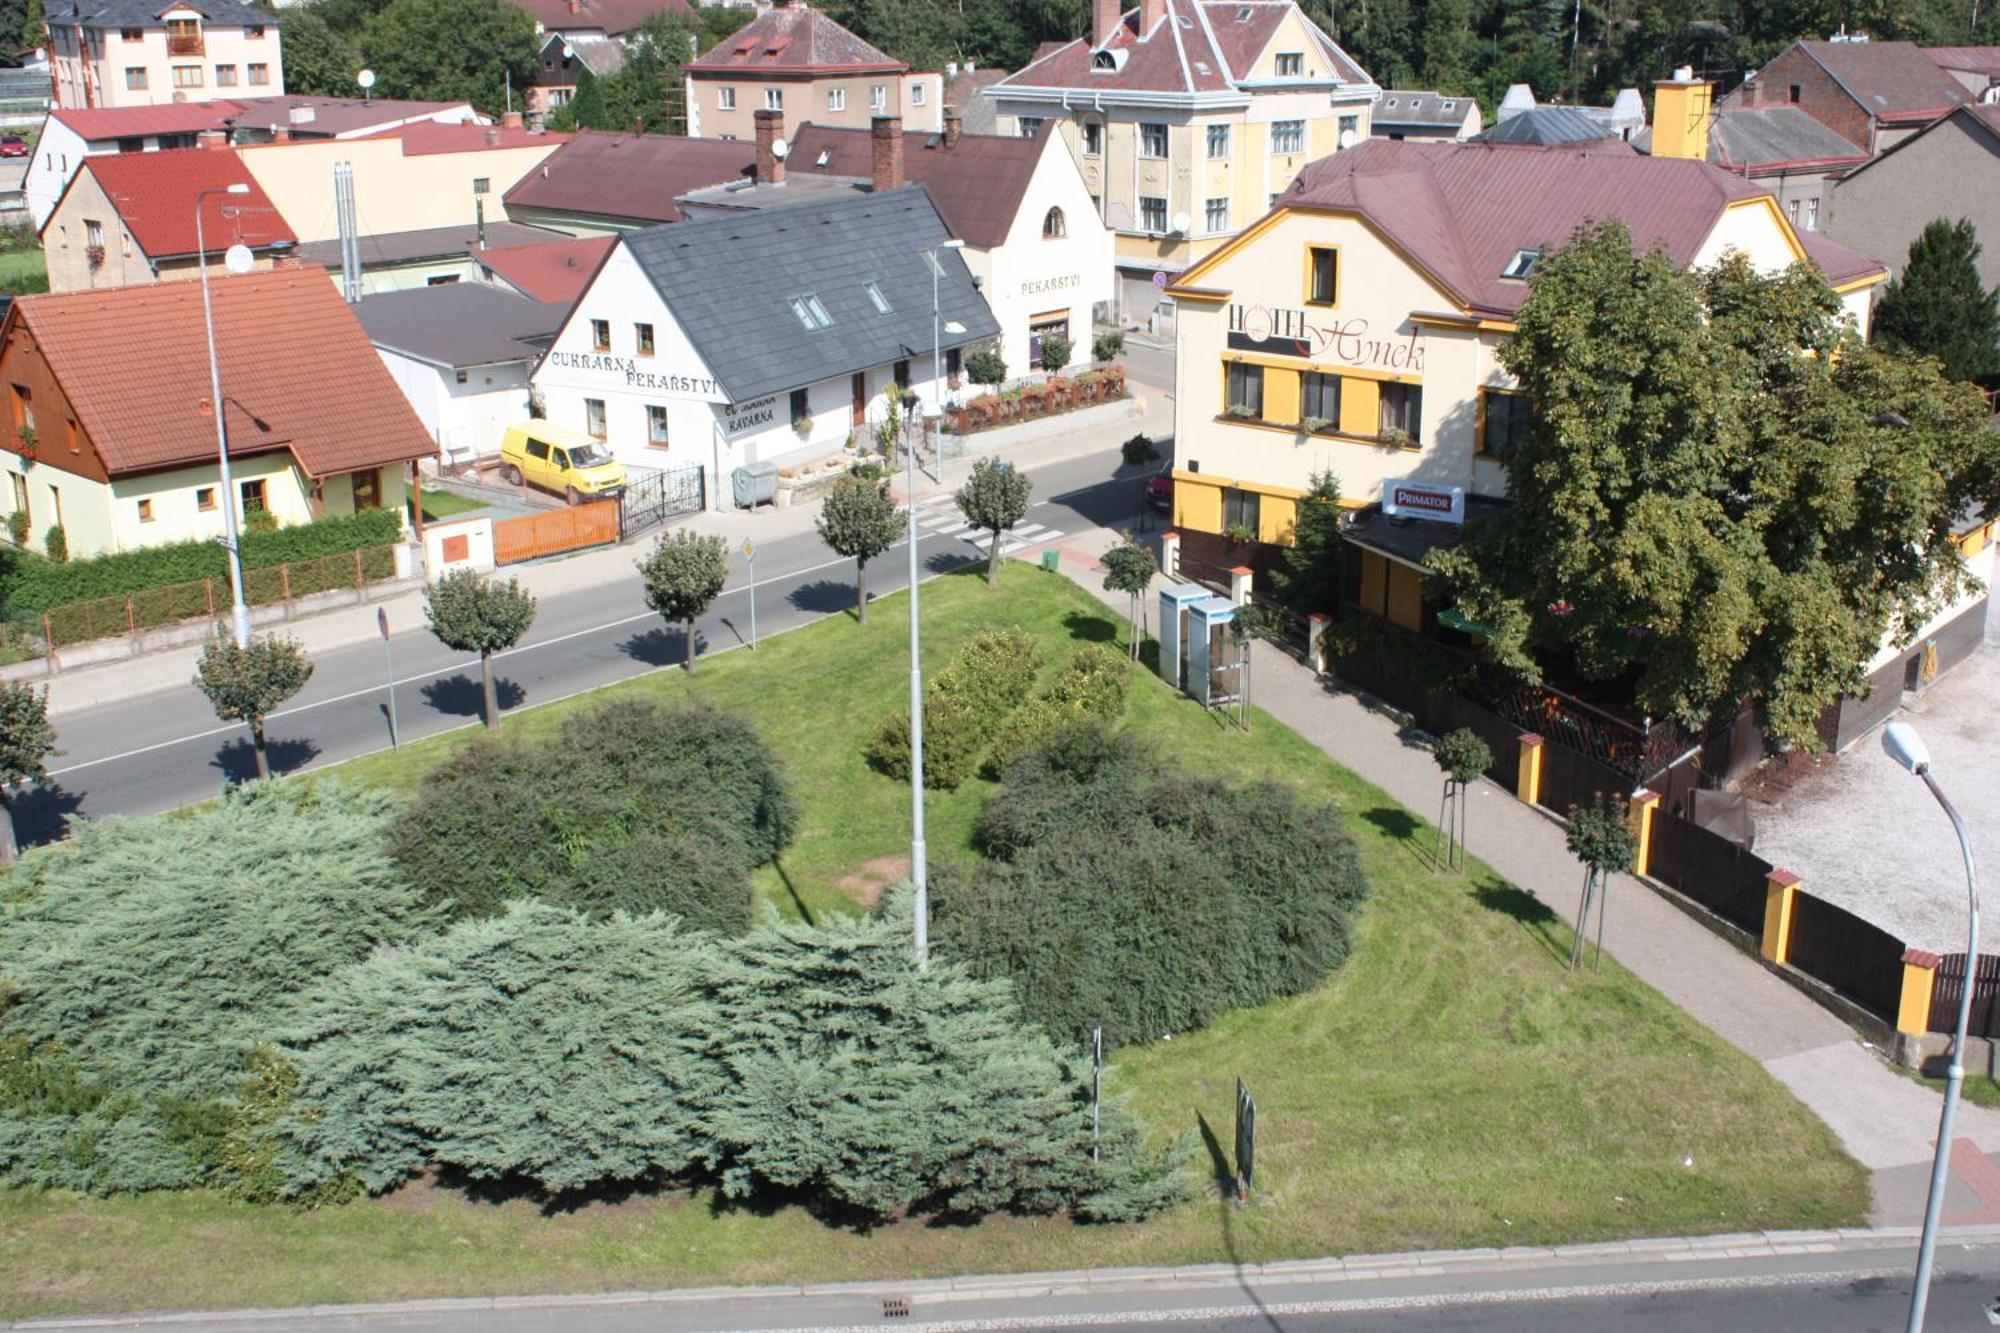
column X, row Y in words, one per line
column 663, row 646
column 462, row 696
column 42, row 813
column 238, row 758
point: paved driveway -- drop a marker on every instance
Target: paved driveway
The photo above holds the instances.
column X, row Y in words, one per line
column 1866, row 835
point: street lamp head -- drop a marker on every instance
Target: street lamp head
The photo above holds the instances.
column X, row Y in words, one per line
column 1900, row 739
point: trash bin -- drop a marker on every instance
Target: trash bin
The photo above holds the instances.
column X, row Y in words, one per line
column 754, row 484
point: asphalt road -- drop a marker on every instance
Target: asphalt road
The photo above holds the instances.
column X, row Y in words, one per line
column 163, row 750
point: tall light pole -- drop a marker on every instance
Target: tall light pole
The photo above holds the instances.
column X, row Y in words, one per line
column 239, row 612
column 1907, row 748
column 919, row 859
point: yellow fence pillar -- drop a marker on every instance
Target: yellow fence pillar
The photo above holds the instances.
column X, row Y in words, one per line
column 1913, row 1010
column 1644, row 803
column 1528, row 775
column 1779, row 888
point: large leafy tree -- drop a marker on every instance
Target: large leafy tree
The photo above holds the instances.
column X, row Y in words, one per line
column 450, row 50
column 995, row 498
column 1940, row 308
column 26, row 739
column 1724, row 495
column 318, row 58
column 684, row 574
column 475, row 614
column 858, row 520
column 245, row 684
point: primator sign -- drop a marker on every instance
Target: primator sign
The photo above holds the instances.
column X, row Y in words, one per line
column 1411, row 499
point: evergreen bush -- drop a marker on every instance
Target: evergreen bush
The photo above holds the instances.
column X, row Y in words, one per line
column 1090, row 686
column 965, row 708
column 1147, row 902
column 632, row 806
column 141, row 963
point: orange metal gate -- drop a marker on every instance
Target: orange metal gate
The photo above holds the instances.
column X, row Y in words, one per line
column 594, row 523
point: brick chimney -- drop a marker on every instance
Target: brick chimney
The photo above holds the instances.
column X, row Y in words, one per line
column 1104, row 16
column 511, row 120
column 887, row 133
column 282, row 134
column 770, row 167
column 492, row 136
column 954, row 125
column 212, row 139
column 1150, row 14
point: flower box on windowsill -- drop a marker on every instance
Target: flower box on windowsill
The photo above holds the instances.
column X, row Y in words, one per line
column 94, row 255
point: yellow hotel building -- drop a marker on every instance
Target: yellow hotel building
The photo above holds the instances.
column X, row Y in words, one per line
column 1354, row 329
column 1190, row 118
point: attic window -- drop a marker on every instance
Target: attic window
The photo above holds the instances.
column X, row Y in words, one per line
column 1522, row 264
column 875, row 298
column 1184, row 20
column 1449, row 105
column 1103, row 60
column 1201, row 67
column 810, row 312
column 1416, row 104
column 1392, row 104
column 1244, row 15
column 825, row 156
column 745, row 48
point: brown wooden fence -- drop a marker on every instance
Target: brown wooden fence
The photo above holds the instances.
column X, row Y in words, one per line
column 1860, row 960
column 1722, row 876
column 1985, row 995
column 553, row 531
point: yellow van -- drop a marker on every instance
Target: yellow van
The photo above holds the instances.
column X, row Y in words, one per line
column 555, row 458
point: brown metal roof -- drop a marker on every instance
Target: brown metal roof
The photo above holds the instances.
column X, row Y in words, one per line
column 977, row 186
column 613, row 17
column 630, row 176
column 298, row 373
column 794, row 38
column 1462, row 211
column 1200, row 46
column 1892, row 81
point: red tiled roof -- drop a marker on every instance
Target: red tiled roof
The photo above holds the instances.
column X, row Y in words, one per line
column 1462, row 211
column 132, row 122
column 610, row 16
column 298, row 373
column 1894, row 82
column 1202, row 46
column 798, row 39
column 977, row 186
column 155, row 194
column 554, row 272
column 428, row 136
column 634, row 176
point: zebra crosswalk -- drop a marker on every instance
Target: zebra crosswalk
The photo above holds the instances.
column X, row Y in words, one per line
column 938, row 516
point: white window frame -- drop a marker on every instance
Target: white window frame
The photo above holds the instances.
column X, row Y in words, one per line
column 1210, row 208
column 1146, row 132
column 1218, row 136
column 1283, row 142
column 836, row 99
column 774, row 99
column 725, row 98
column 1144, row 224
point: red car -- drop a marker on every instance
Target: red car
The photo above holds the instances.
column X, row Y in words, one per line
column 13, row 145
column 1160, row 489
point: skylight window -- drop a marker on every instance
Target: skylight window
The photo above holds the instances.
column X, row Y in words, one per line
column 810, row 312
column 1449, row 105
column 875, row 297
column 825, row 156
column 1243, row 15
column 1392, row 104
column 1522, row 264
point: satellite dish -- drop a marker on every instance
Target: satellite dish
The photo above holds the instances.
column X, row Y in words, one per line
column 366, row 78
column 1180, row 222
column 779, row 148
column 1348, row 138
column 238, row 259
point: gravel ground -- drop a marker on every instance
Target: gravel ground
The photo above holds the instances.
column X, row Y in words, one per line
column 1862, row 833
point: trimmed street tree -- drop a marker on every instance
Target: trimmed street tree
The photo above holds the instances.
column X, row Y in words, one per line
column 994, row 498
column 1940, row 308
column 1723, row 496
column 1129, row 568
column 1463, row 756
column 683, row 574
column 474, row 614
column 245, row 684
column 26, row 739
column 858, row 521
column 1601, row 837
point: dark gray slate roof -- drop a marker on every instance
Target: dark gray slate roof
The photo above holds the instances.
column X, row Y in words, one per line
column 1545, row 125
column 408, row 247
column 1421, row 107
column 146, row 13
column 730, row 284
column 460, row 324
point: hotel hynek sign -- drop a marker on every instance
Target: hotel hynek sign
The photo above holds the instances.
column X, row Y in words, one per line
column 1282, row 331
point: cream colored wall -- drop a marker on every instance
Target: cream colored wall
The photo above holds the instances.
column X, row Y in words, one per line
column 1755, row 230
column 65, row 245
column 806, row 100
column 109, row 55
column 99, row 517
column 391, row 192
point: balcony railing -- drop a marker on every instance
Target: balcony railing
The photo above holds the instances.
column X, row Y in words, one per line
column 181, row 44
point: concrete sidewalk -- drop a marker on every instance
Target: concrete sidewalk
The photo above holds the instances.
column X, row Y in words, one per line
column 127, row 678
column 1887, row 1120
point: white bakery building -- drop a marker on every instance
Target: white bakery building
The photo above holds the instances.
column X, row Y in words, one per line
column 765, row 335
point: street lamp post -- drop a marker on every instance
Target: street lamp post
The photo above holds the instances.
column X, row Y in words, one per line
column 1907, row 748
column 919, row 858
column 239, row 611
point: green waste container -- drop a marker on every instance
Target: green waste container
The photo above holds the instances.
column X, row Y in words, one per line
column 1051, row 560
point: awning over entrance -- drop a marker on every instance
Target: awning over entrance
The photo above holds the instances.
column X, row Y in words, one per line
column 1410, row 541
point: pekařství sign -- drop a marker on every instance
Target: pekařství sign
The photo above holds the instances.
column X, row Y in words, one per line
column 1411, row 499
column 632, row 377
column 1288, row 332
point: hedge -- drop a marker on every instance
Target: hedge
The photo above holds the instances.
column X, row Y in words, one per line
column 1091, row 686
column 35, row 585
column 965, row 708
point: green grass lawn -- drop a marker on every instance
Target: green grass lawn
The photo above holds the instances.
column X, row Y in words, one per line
column 23, row 271
column 1451, row 1086
column 445, row 504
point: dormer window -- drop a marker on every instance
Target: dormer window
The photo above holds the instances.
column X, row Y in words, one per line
column 1108, row 62
column 1521, row 265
